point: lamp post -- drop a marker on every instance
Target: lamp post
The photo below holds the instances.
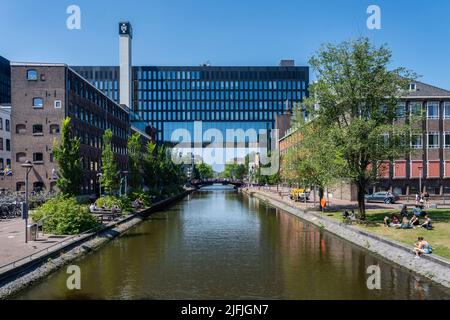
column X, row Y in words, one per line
column 28, row 166
column 420, row 179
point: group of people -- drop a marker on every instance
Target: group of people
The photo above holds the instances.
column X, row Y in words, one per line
column 423, row 199
column 93, row 208
column 405, row 223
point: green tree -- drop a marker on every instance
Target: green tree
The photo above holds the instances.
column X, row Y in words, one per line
column 150, row 165
column 135, row 158
column 67, row 155
column 315, row 160
column 109, row 180
column 354, row 102
column 205, row 171
column 234, row 170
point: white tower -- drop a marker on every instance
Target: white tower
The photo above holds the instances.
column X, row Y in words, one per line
column 125, row 36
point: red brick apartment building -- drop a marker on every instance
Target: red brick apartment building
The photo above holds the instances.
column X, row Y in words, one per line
column 428, row 165
column 42, row 95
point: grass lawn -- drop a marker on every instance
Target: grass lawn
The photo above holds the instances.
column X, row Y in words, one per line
column 439, row 237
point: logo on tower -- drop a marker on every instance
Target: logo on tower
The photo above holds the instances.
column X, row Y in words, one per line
column 125, row 28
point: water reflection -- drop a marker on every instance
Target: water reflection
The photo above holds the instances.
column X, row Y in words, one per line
column 218, row 244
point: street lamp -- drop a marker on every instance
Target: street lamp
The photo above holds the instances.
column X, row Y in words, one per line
column 28, row 166
column 420, row 180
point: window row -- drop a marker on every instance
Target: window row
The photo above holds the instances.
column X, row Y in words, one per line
column 434, row 168
column 221, row 95
column 37, row 129
column 97, row 121
column 5, row 146
column 87, row 91
column 192, row 116
column 7, row 124
column 38, row 103
column 432, row 110
column 38, row 157
column 212, row 105
column 214, row 85
column 433, row 140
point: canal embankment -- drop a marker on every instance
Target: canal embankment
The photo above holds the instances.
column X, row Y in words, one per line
column 32, row 269
column 434, row 268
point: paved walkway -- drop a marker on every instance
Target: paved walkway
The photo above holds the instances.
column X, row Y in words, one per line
column 338, row 204
column 12, row 241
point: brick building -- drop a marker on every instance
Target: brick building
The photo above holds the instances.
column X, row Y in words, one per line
column 42, row 96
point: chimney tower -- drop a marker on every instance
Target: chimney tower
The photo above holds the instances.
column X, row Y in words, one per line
column 125, row 37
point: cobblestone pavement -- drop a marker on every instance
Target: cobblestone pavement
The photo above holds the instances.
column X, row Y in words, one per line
column 12, row 241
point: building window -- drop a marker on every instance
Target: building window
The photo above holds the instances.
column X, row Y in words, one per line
column 7, row 125
column 38, row 102
column 400, row 111
column 433, row 110
column 447, row 110
column 38, row 157
column 416, row 109
column 1, row 123
column 416, row 142
column 433, row 140
column 446, row 139
column 20, row 186
column 57, row 104
column 54, row 129
column 21, row 157
column 37, row 129
column 32, row 74
column 1, row 144
column 8, row 145
column 412, row 87
column 21, row 129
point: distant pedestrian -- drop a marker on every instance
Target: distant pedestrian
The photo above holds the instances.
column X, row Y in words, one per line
column 417, row 198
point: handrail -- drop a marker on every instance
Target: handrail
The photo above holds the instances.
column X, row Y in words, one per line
column 46, row 250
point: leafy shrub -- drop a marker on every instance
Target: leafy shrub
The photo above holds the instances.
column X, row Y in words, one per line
column 64, row 216
column 124, row 203
column 108, row 202
column 144, row 197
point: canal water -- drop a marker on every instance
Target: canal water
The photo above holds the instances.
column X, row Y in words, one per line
column 219, row 244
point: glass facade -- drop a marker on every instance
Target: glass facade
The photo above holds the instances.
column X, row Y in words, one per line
column 170, row 98
column 5, row 81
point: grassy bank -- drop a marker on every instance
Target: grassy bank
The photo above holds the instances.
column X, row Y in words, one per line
column 439, row 237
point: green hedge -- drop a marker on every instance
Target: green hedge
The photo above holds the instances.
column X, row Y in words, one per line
column 64, row 216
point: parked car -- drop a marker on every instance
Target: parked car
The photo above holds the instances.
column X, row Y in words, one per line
column 385, row 196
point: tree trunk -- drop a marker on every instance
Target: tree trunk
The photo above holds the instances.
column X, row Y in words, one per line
column 361, row 201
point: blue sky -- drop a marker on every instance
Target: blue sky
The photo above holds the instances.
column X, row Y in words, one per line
column 233, row 32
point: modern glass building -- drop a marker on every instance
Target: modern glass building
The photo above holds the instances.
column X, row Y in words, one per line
column 171, row 98
column 5, row 81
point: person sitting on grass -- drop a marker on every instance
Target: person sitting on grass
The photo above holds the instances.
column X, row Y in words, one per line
column 405, row 224
column 404, row 211
column 427, row 224
column 395, row 221
column 386, row 221
column 414, row 221
column 422, row 247
column 417, row 211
